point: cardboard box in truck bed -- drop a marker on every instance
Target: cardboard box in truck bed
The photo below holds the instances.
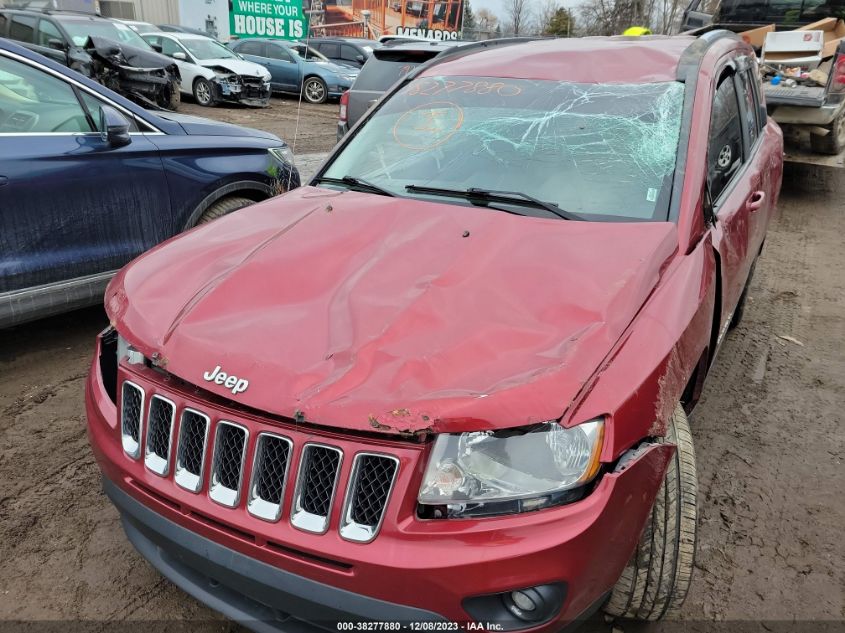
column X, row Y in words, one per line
column 833, row 30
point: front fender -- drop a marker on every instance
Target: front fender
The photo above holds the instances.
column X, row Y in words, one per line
column 645, row 375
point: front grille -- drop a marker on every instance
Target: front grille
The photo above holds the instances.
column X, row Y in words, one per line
column 366, row 499
column 367, row 492
column 159, row 434
column 131, row 412
column 228, row 465
column 190, row 454
column 318, row 471
column 269, row 474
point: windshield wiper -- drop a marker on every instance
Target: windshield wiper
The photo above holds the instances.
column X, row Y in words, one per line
column 474, row 194
column 357, row 183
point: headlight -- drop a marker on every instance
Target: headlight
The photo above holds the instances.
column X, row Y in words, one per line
column 515, row 470
column 282, row 154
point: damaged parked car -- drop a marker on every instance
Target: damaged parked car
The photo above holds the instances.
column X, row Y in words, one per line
column 89, row 180
column 446, row 385
column 211, row 72
column 105, row 50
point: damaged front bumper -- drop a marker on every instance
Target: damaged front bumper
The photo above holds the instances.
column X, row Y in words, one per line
column 271, row 576
column 251, row 91
column 131, row 72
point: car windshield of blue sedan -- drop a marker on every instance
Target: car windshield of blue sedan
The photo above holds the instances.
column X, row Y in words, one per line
column 601, row 151
column 207, row 49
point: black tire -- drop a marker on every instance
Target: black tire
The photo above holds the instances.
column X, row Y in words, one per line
column 314, row 90
column 739, row 311
column 655, row 581
column 204, row 92
column 834, row 142
column 223, row 207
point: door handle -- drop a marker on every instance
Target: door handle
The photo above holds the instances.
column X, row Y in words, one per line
column 755, row 201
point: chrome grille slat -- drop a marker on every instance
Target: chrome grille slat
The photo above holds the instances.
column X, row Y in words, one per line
column 191, row 451
column 319, row 468
column 269, row 476
column 227, row 466
column 159, row 434
column 367, row 494
column 131, row 418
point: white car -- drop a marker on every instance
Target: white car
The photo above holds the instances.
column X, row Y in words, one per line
column 138, row 26
column 211, row 72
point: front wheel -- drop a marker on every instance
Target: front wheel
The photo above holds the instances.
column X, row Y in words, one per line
column 655, row 581
column 204, row 92
column 314, row 90
column 223, row 207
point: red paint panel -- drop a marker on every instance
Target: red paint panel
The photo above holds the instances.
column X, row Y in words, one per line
column 366, row 313
column 579, row 60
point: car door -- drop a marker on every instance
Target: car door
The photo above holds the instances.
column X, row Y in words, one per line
column 50, row 42
column 284, row 67
column 72, row 205
column 734, row 181
column 188, row 71
column 351, row 56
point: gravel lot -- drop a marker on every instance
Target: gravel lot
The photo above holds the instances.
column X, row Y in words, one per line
column 769, row 436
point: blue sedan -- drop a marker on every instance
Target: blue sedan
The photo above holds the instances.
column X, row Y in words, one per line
column 297, row 68
column 89, row 180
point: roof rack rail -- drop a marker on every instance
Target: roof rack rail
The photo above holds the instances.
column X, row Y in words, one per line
column 691, row 57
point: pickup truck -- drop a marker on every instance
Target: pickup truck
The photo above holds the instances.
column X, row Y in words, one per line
column 814, row 109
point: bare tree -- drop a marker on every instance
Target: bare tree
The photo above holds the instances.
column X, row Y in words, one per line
column 518, row 14
column 486, row 21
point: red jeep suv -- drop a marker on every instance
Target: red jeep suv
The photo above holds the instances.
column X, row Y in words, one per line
column 446, row 384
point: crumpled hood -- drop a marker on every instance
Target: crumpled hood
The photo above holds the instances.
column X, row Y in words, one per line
column 238, row 66
column 367, row 312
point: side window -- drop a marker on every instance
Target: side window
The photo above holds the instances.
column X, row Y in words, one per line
column 92, row 104
column 252, row 48
column 275, row 51
column 48, row 31
column 168, row 47
column 349, row 53
column 330, row 50
column 724, row 151
column 23, row 28
column 751, row 109
column 36, row 102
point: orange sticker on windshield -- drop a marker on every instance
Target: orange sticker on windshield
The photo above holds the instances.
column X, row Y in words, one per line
column 428, row 125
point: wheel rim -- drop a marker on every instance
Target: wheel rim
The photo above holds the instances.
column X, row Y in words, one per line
column 314, row 90
column 203, row 93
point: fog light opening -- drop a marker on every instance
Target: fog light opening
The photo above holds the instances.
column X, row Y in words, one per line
column 526, row 604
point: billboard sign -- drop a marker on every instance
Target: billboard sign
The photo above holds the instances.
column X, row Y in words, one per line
column 281, row 19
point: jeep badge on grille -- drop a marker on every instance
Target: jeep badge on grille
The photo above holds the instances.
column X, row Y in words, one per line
column 237, row 385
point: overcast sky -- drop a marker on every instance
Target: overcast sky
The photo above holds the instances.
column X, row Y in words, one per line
column 498, row 6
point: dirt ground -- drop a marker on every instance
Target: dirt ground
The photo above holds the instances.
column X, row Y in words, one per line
column 769, row 437
column 316, row 130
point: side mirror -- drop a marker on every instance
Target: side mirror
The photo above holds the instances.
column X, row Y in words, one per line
column 56, row 44
column 360, row 59
column 114, row 127
column 180, row 56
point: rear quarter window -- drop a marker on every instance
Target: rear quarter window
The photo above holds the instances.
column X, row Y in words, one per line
column 22, row 28
column 380, row 74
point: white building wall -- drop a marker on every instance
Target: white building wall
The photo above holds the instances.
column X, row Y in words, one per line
column 206, row 15
column 158, row 11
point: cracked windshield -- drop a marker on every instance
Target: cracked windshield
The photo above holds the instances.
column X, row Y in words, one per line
column 592, row 151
